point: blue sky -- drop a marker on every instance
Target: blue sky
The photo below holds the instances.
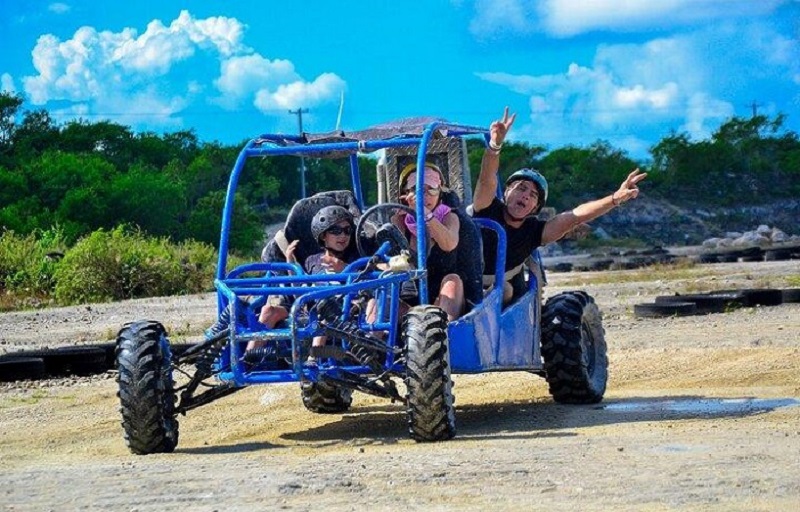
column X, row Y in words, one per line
column 628, row 72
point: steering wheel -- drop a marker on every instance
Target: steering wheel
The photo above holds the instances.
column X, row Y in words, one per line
column 370, row 234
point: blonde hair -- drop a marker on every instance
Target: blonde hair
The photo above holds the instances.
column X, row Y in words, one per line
column 412, row 167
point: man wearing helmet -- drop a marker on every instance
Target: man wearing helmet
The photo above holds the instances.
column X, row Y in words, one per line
column 524, row 196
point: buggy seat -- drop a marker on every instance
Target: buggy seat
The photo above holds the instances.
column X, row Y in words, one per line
column 298, row 227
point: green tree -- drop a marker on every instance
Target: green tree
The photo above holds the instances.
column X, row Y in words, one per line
column 515, row 156
column 246, row 233
column 150, row 200
column 746, row 161
column 36, row 134
column 9, row 106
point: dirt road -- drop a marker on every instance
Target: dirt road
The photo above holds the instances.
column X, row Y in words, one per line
column 701, row 413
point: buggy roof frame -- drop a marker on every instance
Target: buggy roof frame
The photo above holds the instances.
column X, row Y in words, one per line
column 408, row 132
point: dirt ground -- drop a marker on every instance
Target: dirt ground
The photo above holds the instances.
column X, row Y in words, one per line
column 701, row 413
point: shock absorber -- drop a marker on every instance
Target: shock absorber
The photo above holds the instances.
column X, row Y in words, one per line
column 206, row 359
column 365, row 348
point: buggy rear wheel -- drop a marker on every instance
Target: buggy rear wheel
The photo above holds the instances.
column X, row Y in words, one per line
column 146, row 389
column 325, row 398
column 574, row 348
column 431, row 415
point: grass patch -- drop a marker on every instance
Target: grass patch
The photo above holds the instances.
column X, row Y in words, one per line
column 658, row 272
column 29, row 399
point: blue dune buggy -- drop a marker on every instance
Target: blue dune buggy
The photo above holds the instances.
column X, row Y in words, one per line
column 408, row 359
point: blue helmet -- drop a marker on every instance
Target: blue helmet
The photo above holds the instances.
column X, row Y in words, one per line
column 536, row 178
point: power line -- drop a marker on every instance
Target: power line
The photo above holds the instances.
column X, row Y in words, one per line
column 300, row 112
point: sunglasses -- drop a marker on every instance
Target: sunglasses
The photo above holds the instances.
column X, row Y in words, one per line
column 431, row 191
column 337, row 230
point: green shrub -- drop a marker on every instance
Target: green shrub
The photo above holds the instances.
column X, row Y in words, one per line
column 198, row 263
column 124, row 264
column 28, row 263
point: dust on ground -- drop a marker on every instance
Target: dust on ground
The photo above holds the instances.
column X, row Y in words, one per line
column 701, row 413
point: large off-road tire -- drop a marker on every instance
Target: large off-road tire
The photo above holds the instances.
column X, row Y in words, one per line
column 431, row 415
column 325, row 398
column 146, row 389
column 574, row 348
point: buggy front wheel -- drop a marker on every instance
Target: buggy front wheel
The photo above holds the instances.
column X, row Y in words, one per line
column 146, row 389
column 431, row 415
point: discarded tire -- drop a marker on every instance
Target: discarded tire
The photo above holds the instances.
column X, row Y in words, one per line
column 58, row 362
column 666, row 309
column 21, row 368
column 708, row 258
column 758, row 296
column 777, row 254
column 81, row 360
column 561, row 267
column 707, row 303
column 763, row 296
column 790, row 295
column 727, row 258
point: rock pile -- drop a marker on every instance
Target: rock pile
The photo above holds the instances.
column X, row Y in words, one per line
column 763, row 237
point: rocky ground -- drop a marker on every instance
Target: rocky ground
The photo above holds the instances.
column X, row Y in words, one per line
column 701, row 413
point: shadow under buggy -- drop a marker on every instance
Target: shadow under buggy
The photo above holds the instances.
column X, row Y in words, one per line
column 408, row 359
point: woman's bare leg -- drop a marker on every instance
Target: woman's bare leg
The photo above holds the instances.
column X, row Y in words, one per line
column 451, row 296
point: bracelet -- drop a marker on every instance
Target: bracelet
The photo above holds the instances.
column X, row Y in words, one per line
column 429, row 217
column 495, row 148
column 615, row 202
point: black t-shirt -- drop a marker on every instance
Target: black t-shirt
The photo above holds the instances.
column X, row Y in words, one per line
column 521, row 241
column 440, row 263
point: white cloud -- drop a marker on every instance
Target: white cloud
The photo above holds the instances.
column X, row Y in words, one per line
column 242, row 77
column 628, row 94
column 93, row 63
column 159, row 47
column 58, row 8
column 570, row 17
column 301, row 94
column 564, row 18
column 502, row 16
column 155, row 75
column 272, row 85
column 638, row 96
column 7, row 83
column 700, row 111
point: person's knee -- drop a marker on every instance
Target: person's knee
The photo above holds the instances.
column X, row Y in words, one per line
column 451, row 296
column 271, row 315
column 508, row 293
column 452, row 286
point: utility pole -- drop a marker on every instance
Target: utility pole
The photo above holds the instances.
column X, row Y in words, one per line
column 754, row 106
column 300, row 112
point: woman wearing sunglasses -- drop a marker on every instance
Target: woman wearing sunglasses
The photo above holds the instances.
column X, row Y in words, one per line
column 442, row 225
